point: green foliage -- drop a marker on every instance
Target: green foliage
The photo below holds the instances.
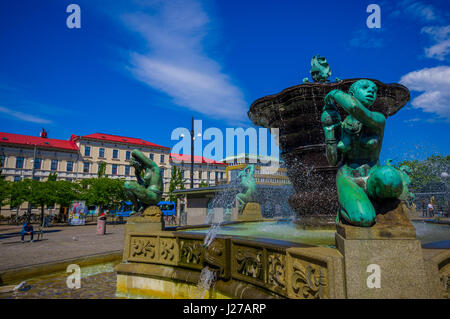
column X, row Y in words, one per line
column 203, row 184
column 5, row 192
column 66, row 192
column 19, row 192
column 52, row 177
column 176, row 182
column 103, row 191
column 427, row 172
column 101, row 170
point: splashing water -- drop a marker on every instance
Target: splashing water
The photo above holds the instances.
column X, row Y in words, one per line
column 211, row 235
column 206, row 282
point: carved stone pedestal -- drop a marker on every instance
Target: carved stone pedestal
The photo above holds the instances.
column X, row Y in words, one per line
column 150, row 220
column 251, row 212
column 382, row 262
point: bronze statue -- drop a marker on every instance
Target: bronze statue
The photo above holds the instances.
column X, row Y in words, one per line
column 148, row 189
column 355, row 144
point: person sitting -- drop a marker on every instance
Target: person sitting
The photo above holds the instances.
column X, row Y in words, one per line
column 27, row 229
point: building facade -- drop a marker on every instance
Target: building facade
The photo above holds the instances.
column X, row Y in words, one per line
column 80, row 157
column 268, row 170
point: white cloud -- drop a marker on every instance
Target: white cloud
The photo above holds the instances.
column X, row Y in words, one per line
column 441, row 36
column 177, row 62
column 435, row 85
column 419, row 10
column 23, row 116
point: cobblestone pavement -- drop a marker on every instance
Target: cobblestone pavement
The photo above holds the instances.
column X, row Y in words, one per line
column 58, row 243
column 99, row 285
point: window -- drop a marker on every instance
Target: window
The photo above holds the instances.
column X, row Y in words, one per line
column 87, row 151
column 127, row 155
column 217, row 175
column 182, row 173
column 221, row 175
column 127, row 169
column 36, row 178
column 115, row 153
column 54, row 165
column 68, row 179
column 37, row 163
column 19, row 162
column 162, row 172
column 200, row 174
column 17, row 178
column 86, row 167
column 151, row 156
column 114, row 169
column 162, row 158
column 69, row 167
column 2, row 160
column 101, row 152
column 208, row 175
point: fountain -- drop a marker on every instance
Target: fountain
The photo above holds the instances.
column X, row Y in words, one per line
column 296, row 111
column 373, row 250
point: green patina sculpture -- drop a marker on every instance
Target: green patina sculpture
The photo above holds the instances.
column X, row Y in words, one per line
column 249, row 184
column 320, row 70
column 355, row 144
column 404, row 171
column 147, row 190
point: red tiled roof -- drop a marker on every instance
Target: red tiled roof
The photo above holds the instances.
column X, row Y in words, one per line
column 197, row 159
column 118, row 139
column 9, row 138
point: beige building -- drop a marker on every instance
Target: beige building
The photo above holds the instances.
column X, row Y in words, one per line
column 23, row 156
column 34, row 157
column 206, row 170
column 265, row 171
column 115, row 151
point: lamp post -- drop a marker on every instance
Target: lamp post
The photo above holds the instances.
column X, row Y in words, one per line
column 192, row 153
column 32, row 178
column 192, row 150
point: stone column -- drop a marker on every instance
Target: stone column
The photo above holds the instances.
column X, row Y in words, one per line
column 384, row 261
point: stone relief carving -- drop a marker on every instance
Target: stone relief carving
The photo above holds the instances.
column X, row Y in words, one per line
column 276, row 270
column 167, row 249
column 143, row 247
column 191, row 252
column 444, row 273
column 309, row 281
column 249, row 263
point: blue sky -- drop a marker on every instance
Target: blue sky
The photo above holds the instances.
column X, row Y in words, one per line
column 143, row 68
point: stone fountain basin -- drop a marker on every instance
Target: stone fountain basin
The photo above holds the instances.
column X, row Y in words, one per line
column 168, row 264
column 296, row 110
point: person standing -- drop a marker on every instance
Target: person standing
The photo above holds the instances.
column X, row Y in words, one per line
column 430, row 210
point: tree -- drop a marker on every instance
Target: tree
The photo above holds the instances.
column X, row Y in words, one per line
column 65, row 193
column 19, row 193
column 52, row 177
column 103, row 192
column 203, row 184
column 5, row 192
column 176, row 182
column 41, row 194
column 101, row 170
column 425, row 174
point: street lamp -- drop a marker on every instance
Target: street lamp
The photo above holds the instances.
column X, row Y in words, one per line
column 192, row 151
column 32, row 178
